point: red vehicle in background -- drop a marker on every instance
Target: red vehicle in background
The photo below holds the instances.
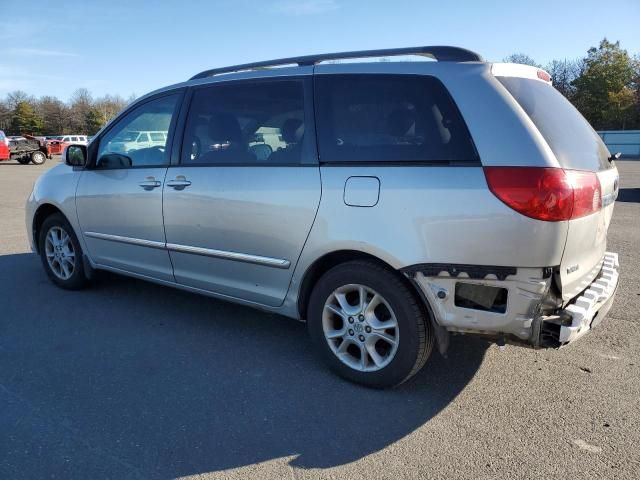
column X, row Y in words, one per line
column 55, row 145
column 4, row 147
column 58, row 143
column 24, row 149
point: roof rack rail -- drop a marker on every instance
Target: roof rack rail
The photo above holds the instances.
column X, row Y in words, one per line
column 440, row 53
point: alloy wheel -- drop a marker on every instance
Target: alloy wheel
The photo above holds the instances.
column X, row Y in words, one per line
column 60, row 253
column 360, row 328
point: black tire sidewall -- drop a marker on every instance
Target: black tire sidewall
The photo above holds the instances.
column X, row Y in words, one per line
column 396, row 294
column 78, row 278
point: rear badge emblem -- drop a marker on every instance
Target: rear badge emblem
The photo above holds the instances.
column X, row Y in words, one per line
column 572, row 269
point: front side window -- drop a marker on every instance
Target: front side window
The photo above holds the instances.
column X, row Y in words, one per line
column 389, row 118
column 245, row 123
column 121, row 146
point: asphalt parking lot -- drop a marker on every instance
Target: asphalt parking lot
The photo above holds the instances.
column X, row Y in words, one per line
column 133, row 380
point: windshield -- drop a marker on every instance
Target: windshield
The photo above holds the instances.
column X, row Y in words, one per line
column 575, row 144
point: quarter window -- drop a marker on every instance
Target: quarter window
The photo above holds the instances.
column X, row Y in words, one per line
column 120, row 147
column 389, row 118
column 245, row 123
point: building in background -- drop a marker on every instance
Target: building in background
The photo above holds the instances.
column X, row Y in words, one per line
column 627, row 142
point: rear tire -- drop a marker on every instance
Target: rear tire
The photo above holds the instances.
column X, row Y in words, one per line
column 23, row 160
column 61, row 254
column 38, row 158
column 368, row 325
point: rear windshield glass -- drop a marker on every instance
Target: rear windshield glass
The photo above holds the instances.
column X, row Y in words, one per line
column 389, row 118
column 575, row 144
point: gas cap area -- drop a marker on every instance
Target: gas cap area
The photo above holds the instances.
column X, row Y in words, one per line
column 362, row 191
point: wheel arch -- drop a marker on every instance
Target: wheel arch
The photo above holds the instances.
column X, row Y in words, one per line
column 41, row 214
column 329, row 260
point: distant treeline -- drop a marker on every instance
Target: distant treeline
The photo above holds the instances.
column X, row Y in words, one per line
column 604, row 86
column 22, row 113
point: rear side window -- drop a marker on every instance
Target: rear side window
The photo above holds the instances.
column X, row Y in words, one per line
column 245, row 123
column 574, row 143
column 389, row 118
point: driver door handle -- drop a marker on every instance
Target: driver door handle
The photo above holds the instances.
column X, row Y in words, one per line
column 179, row 183
column 150, row 183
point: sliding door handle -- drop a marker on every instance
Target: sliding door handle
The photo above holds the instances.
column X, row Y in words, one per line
column 179, row 183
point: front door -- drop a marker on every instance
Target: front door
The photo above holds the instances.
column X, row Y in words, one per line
column 119, row 197
column 241, row 203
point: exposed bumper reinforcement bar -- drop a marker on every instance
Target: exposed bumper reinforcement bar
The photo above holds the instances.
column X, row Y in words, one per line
column 590, row 308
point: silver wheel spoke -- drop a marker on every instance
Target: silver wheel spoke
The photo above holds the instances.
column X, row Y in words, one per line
column 335, row 334
column 363, row 356
column 342, row 301
column 65, row 269
column 371, row 306
column 377, row 324
column 52, row 238
column 384, row 337
column 362, row 295
column 375, row 356
column 335, row 310
column 342, row 349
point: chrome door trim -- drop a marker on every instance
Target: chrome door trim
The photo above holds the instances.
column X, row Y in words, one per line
column 241, row 257
column 133, row 241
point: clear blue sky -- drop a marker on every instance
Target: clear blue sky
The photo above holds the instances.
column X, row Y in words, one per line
column 125, row 47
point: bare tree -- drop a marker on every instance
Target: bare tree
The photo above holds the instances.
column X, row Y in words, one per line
column 17, row 96
column 563, row 73
column 522, row 58
column 79, row 107
column 54, row 114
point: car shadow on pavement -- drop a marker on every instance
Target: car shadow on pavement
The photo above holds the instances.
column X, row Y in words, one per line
column 629, row 195
column 129, row 379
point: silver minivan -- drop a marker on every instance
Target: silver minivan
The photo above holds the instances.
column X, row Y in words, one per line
column 389, row 204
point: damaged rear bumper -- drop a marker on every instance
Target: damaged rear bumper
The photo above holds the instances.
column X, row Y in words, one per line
column 475, row 301
column 584, row 311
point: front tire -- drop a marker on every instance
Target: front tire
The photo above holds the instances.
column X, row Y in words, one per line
column 61, row 253
column 368, row 325
column 23, row 160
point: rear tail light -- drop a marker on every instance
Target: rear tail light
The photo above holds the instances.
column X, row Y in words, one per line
column 550, row 194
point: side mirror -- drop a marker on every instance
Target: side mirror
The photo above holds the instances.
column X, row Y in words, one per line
column 114, row 160
column 75, row 155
